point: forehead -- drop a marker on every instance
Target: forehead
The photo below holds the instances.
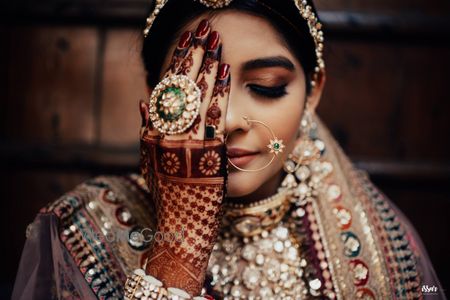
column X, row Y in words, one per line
column 246, row 37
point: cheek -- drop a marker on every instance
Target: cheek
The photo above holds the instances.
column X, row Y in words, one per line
column 284, row 117
column 286, row 123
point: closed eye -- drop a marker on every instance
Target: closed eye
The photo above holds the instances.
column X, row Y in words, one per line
column 268, row 92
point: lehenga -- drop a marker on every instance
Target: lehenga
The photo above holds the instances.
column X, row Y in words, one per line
column 346, row 241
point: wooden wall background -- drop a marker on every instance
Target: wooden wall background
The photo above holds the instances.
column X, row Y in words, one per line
column 71, row 78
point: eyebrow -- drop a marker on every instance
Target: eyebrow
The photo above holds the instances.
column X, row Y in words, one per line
column 267, row 62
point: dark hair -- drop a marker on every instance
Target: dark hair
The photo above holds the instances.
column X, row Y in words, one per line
column 176, row 14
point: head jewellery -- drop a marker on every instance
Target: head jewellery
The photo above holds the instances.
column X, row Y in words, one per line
column 305, row 10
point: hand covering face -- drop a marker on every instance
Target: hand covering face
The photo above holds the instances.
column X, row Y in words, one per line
column 187, row 172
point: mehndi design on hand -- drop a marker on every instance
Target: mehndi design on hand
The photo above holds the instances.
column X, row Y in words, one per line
column 187, row 173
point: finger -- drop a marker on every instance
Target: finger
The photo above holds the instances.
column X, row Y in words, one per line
column 179, row 53
column 147, row 129
column 206, row 82
column 143, row 108
column 192, row 63
column 202, row 34
column 217, row 109
column 183, row 47
column 194, row 59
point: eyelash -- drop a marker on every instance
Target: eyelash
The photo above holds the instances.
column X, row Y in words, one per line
column 269, row 92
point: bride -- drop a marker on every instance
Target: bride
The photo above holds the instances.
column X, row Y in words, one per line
column 244, row 194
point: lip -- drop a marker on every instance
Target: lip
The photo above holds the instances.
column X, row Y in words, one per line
column 240, row 157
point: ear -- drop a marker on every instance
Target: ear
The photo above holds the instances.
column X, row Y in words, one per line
column 313, row 98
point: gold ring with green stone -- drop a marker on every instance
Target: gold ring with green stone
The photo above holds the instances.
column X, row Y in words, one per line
column 174, row 104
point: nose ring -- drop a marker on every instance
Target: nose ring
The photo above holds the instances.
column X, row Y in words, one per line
column 275, row 145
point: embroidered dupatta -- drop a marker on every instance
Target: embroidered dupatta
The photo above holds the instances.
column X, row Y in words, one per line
column 362, row 246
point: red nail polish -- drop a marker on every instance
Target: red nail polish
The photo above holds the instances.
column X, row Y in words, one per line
column 202, row 29
column 185, row 40
column 213, row 41
column 224, row 71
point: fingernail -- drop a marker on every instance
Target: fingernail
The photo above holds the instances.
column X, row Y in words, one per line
column 224, row 71
column 185, row 40
column 213, row 41
column 202, row 29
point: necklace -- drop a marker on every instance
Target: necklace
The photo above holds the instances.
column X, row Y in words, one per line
column 258, row 267
column 250, row 219
column 271, row 249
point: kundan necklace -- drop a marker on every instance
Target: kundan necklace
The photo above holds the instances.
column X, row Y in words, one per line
column 260, row 252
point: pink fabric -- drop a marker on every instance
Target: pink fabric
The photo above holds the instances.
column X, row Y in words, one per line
column 46, row 269
column 424, row 265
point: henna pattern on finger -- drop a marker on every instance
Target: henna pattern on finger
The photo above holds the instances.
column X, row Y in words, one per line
column 213, row 114
column 222, row 86
column 187, row 64
column 221, row 90
column 208, row 65
column 203, row 86
column 180, row 52
column 196, row 125
column 175, row 64
column 205, row 69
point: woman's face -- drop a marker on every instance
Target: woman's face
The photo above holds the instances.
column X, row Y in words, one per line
column 268, row 85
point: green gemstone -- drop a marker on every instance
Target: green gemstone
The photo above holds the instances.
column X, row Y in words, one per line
column 276, row 146
column 171, row 104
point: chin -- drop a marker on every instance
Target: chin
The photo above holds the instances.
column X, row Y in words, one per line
column 240, row 184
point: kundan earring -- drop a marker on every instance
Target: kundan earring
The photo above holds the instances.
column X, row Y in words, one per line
column 308, row 150
column 275, row 146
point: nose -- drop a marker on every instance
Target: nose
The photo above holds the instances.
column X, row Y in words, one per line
column 236, row 110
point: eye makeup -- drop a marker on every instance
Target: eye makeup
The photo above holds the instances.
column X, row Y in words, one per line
column 268, row 77
column 273, row 92
column 268, row 82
